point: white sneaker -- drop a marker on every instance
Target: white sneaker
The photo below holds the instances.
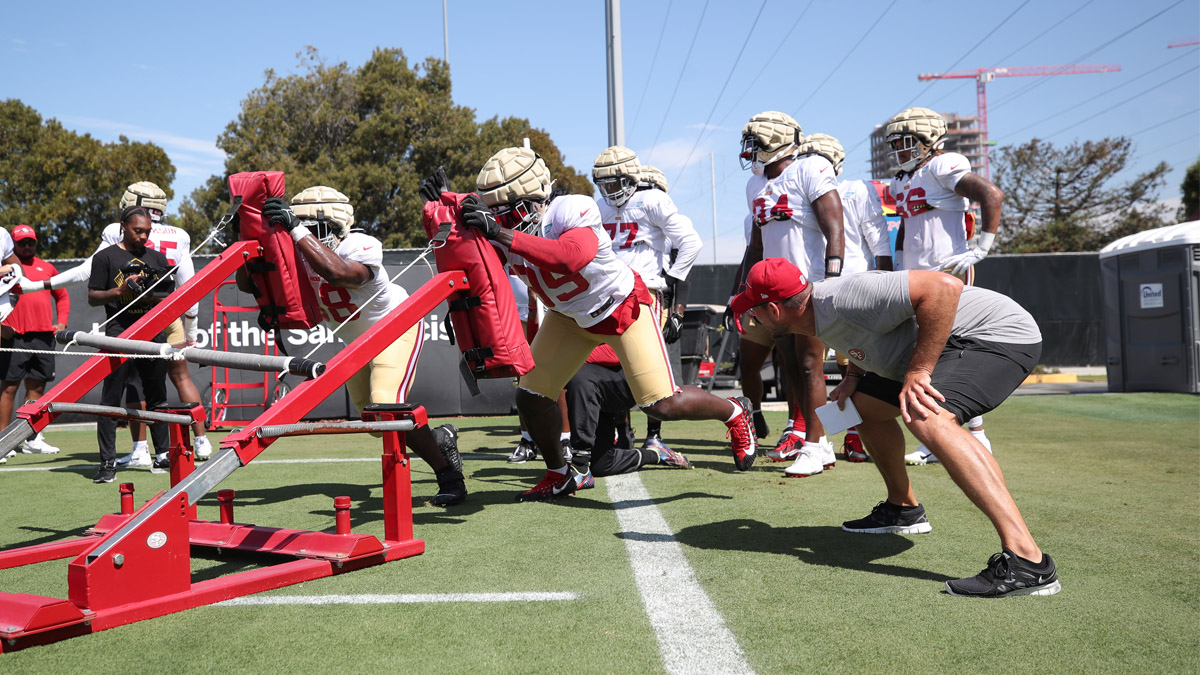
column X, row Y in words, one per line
column 808, row 463
column 38, row 446
column 921, row 456
column 203, row 447
column 135, row 459
column 828, row 458
column 4, row 459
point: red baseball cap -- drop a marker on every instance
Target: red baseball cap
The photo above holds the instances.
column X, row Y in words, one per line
column 770, row 280
column 23, row 232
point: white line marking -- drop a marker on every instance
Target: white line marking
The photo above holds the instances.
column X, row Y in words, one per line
column 692, row 636
column 397, row 599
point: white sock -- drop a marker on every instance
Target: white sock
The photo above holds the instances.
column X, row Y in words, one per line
column 851, row 431
column 564, row 437
column 790, row 423
column 975, row 422
column 162, row 456
column 737, row 410
column 797, row 434
column 526, row 437
column 141, row 446
column 561, row 471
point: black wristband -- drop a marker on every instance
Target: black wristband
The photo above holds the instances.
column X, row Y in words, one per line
column 833, row 266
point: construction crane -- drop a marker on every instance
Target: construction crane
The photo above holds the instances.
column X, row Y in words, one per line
column 984, row 75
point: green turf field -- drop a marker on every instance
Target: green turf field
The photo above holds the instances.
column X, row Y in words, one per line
column 1110, row 486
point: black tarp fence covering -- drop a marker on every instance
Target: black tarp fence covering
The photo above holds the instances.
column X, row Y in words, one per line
column 1060, row 290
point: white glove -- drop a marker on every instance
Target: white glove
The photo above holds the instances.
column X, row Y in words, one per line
column 16, row 272
column 28, row 286
column 190, row 330
column 959, row 264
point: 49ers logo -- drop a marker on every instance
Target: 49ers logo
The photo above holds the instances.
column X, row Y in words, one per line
column 857, row 354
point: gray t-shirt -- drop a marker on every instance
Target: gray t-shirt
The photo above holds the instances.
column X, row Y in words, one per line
column 870, row 317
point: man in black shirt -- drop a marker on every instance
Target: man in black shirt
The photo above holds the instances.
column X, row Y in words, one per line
column 115, row 283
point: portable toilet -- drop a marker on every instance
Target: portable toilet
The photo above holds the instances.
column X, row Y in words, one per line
column 1151, row 289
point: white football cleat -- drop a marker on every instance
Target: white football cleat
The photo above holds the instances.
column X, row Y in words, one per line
column 921, row 456
column 203, row 447
column 828, row 458
column 38, row 446
column 809, row 462
column 136, row 459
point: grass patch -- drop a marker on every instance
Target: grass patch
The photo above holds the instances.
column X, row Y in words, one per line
column 1108, row 484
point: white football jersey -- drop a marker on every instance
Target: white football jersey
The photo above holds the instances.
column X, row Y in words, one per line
column 645, row 229
column 6, row 244
column 935, row 225
column 590, row 295
column 338, row 303
column 173, row 242
column 864, row 228
column 782, row 207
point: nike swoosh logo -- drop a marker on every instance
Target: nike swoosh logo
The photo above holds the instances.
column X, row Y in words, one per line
column 583, row 212
column 953, row 167
column 366, row 248
column 823, row 170
column 559, row 489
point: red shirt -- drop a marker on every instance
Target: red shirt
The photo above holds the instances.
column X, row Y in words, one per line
column 32, row 312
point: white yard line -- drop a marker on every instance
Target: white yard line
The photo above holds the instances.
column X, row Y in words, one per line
column 396, row 599
column 692, row 636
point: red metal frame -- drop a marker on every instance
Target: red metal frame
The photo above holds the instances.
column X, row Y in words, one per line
column 221, row 381
column 94, row 370
column 137, row 564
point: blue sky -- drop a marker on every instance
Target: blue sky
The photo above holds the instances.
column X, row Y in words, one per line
column 176, row 73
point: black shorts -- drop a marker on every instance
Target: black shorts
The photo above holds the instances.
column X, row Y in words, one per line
column 31, row 366
column 975, row 376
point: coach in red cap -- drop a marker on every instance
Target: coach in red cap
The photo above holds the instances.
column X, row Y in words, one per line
column 34, row 325
column 922, row 347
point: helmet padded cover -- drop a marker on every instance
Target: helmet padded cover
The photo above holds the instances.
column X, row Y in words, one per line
column 511, row 175
column 824, row 145
column 144, row 193
column 325, row 203
column 615, row 162
column 926, row 125
column 653, row 176
column 775, row 132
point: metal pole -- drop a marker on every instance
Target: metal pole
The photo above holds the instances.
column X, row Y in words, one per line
column 712, row 177
column 616, row 88
column 445, row 34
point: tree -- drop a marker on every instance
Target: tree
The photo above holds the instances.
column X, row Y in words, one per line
column 65, row 185
column 373, row 133
column 1190, row 208
column 1062, row 199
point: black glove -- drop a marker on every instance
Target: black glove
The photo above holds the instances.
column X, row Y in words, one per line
column 674, row 328
column 476, row 214
column 727, row 320
column 277, row 212
column 434, row 185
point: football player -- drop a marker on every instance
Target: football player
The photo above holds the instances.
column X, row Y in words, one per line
column 345, row 268
column 934, row 190
column 865, row 233
column 798, row 216
column 176, row 245
column 645, row 226
column 592, row 298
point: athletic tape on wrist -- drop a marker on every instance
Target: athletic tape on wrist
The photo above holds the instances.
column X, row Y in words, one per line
column 299, row 232
column 985, row 241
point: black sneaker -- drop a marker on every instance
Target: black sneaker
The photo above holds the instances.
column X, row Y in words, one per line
column 447, row 442
column 1008, row 574
column 452, row 488
column 106, row 474
column 887, row 518
column 761, row 429
column 161, row 465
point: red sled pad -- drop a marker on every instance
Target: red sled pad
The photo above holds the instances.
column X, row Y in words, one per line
column 487, row 327
column 285, row 298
